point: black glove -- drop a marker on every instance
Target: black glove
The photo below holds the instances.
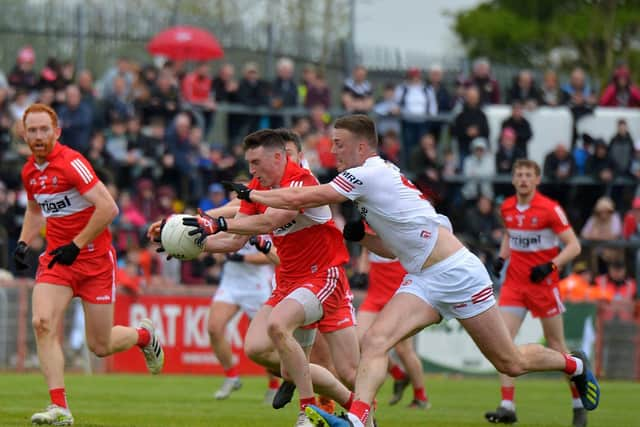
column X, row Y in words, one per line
column 498, row 263
column 235, row 257
column 205, row 225
column 158, row 239
column 539, row 272
column 353, row 231
column 262, row 244
column 244, row 192
column 64, row 255
column 20, row 256
column 359, row 281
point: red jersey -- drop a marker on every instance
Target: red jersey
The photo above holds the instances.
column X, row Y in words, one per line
column 310, row 243
column 533, row 236
column 58, row 186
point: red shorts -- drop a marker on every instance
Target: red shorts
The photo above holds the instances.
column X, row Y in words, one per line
column 91, row 279
column 332, row 289
column 541, row 300
column 384, row 281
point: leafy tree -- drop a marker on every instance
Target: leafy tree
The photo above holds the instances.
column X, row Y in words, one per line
column 596, row 34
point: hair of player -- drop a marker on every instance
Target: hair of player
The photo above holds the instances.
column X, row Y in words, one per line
column 361, row 126
column 40, row 108
column 267, row 138
column 290, row 136
column 529, row 164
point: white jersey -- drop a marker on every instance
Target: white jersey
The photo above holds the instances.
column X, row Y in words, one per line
column 243, row 274
column 380, row 259
column 394, row 208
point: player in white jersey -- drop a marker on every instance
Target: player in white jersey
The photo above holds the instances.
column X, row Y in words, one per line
column 444, row 279
column 245, row 285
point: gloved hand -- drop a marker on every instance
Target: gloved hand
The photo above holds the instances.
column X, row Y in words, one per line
column 359, row 281
column 20, row 256
column 64, row 255
column 262, row 244
column 158, row 239
column 234, row 256
column 244, row 192
column 539, row 272
column 496, row 269
column 353, row 231
column 205, row 225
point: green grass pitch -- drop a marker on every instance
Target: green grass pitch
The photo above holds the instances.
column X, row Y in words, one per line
column 186, row 401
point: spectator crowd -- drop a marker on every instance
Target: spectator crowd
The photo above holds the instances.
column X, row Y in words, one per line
column 148, row 130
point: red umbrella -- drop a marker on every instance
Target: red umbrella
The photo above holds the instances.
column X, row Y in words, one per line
column 185, row 43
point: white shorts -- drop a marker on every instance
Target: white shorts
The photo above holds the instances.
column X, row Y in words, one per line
column 249, row 297
column 458, row 287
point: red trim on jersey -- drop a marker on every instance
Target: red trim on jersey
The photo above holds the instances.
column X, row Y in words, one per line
column 343, row 183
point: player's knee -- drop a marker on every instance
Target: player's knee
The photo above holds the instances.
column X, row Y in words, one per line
column 347, row 373
column 41, row 325
column 99, row 349
column 512, row 366
column 276, row 331
column 373, row 345
column 216, row 330
column 255, row 351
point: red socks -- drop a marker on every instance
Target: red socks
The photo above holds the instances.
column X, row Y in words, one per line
column 306, row 402
column 58, row 397
column 274, row 384
column 570, row 365
column 349, row 402
column 143, row 337
column 575, row 396
column 397, row 373
column 419, row 394
column 508, row 393
column 360, row 410
column 233, row 373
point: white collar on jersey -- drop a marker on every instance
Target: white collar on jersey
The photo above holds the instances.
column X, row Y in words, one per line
column 42, row 166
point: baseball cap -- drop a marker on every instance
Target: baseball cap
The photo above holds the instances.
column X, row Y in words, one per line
column 216, row 188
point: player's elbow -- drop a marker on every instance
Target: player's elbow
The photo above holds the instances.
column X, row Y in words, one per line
column 115, row 210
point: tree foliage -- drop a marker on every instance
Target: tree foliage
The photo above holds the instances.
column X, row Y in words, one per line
column 597, row 34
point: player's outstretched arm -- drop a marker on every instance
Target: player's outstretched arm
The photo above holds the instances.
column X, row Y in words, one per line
column 250, row 225
column 228, row 211
column 296, row 198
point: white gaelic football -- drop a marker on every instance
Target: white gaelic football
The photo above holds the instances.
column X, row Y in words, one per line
column 176, row 240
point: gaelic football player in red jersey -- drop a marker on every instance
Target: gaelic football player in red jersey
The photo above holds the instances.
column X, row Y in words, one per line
column 65, row 195
column 444, row 279
column 535, row 226
column 311, row 292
